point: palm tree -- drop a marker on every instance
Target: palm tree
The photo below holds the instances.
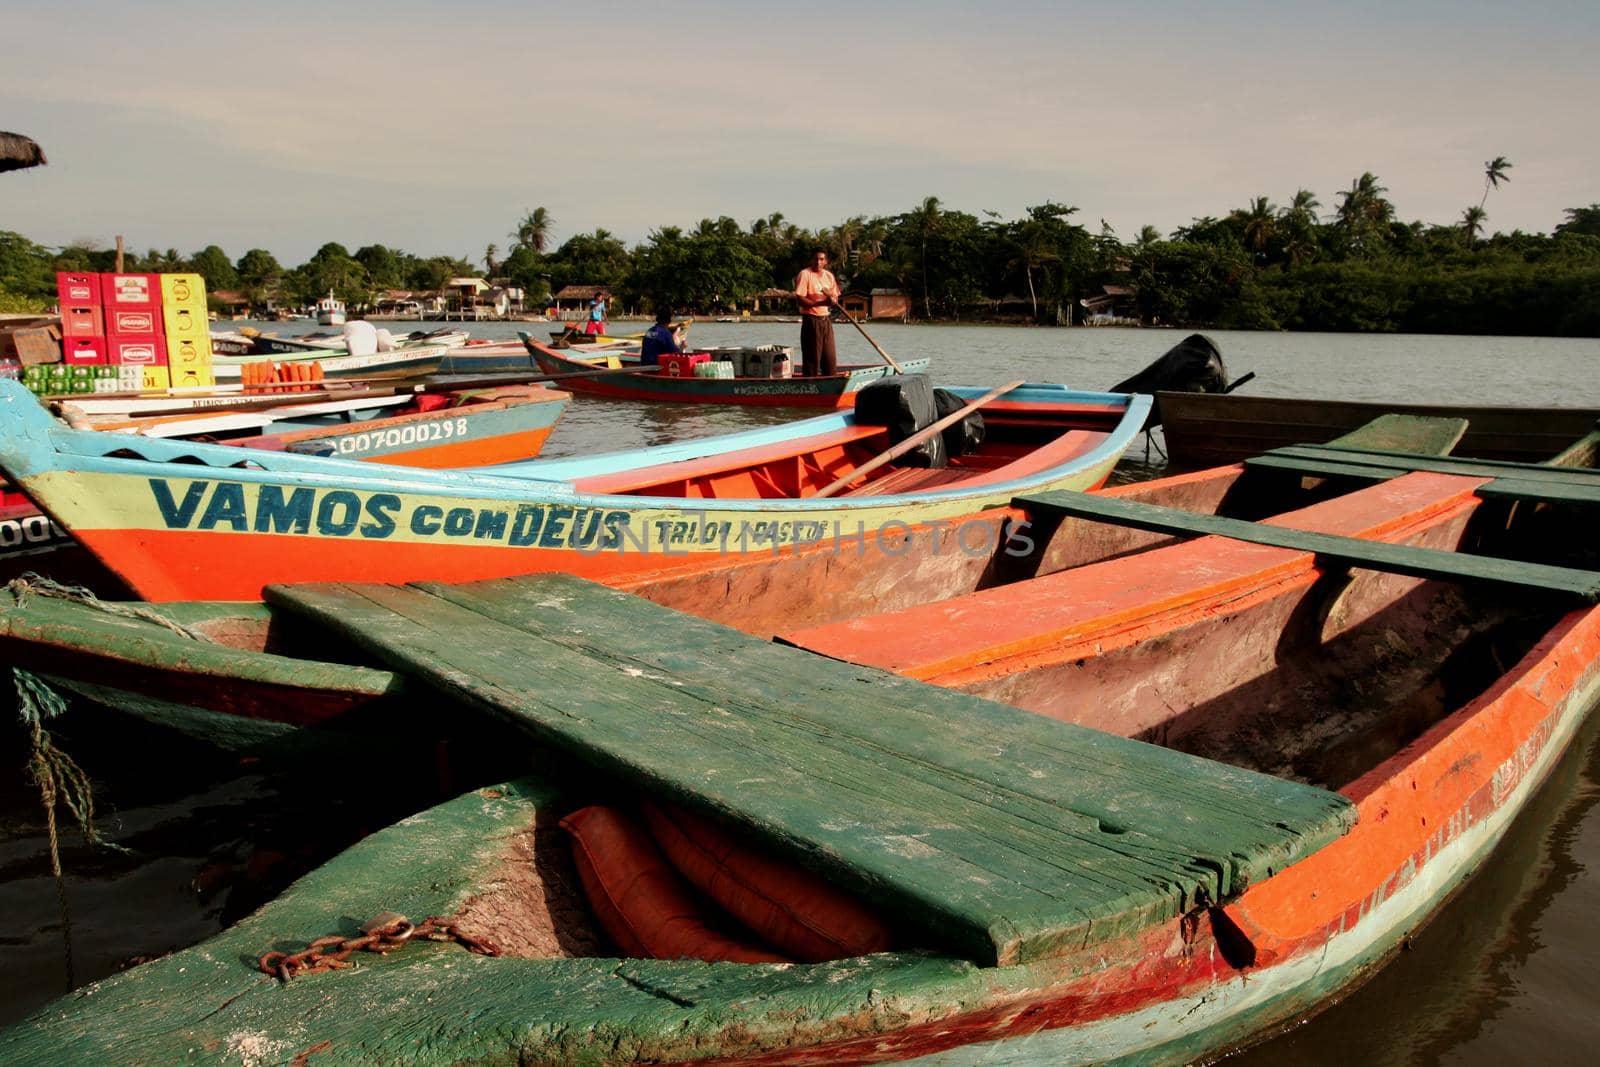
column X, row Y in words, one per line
column 925, row 222
column 534, row 230
column 1148, row 235
column 1260, row 224
column 1302, row 209
column 1363, row 211
column 488, row 257
column 1494, row 172
column 847, row 234
column 1472, row 222
column 1033, row 251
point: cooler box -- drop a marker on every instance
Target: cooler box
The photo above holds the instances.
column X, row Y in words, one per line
column 714, row 369
column 79, row 351
column 130, row 291
column 77, row 290
column 143, row 351
column 683, row 365
column 183, row 290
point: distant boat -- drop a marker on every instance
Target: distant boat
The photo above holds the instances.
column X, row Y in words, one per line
column 826, row 391
column 330, row 310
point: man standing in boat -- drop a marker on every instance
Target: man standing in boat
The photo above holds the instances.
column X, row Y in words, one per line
column 597, row 315
column 816, row 290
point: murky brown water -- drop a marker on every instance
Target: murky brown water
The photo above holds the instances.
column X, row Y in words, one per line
column 1503, row 975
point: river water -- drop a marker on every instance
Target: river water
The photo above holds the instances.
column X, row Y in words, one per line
column 1502, row 975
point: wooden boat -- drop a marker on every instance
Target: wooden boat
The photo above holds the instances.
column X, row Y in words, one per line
column 1206, row 429
column 406, row 361
column 514, row 357
column 827, row 391
column 474, row 427
column 330, row 310
column 243, row 673
column 1376, row 705
column 334, row 343
column 189, row 522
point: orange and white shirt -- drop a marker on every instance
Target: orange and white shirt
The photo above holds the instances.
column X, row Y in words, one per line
column 814, row 283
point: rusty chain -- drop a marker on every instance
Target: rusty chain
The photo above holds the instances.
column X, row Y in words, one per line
column 383, row 933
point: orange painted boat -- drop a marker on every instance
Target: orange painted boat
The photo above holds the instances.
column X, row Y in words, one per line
column 502, row 424
column 190, row 521
column 1411, row 642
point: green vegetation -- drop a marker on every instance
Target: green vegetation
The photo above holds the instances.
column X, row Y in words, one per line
column 1260, row 266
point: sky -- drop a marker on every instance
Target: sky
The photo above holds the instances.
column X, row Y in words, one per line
column 433, row 127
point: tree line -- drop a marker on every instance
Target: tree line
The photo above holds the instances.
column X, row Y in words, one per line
column 1349, row 266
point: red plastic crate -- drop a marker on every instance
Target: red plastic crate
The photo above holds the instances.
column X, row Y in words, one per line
column 146, row 351
column 77, row 290
column 82, row 321
column 83, row 349
column 133, row 321
column 130, row 291
column 683, row 365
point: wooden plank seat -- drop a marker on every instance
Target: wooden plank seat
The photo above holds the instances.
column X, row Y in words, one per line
column 997, row 834
column 1085, row 610
column 1585, row 496
column 1467, row 468
column 1582, row 585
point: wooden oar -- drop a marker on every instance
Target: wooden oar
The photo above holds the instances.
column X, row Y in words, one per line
column 915, row 439
column 887, row 358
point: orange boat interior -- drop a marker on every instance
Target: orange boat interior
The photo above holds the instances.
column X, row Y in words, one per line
column 1018, row 442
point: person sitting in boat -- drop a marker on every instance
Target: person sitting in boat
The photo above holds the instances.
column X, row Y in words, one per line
column 660, row 339
column 816, row 290
column 597, row 315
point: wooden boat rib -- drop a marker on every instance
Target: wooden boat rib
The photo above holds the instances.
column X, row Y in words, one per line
column 188, row 521
column 1206, row 429
column 828, row 391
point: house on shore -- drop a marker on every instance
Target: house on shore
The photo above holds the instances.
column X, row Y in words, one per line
column 1113, row 305
column 572, row 302
column 878, row 304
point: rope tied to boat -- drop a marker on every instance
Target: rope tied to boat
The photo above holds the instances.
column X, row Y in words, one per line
column 32, row 584
column 384, row 933
column 60, row 779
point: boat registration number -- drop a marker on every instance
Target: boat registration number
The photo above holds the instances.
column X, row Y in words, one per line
column 420, row 433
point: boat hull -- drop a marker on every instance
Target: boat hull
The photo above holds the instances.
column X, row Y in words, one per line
column 180, row 531
column 500, row 426
column 831, row 391
column 1170, row 995
column 1204, row 429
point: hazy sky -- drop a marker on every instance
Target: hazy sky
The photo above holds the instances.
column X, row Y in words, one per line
column 432, row 127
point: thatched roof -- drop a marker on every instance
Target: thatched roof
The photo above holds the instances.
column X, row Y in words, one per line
column 18, row 152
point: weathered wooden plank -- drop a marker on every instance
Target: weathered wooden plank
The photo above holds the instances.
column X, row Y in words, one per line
column 1469, row 468
column 1535, row 492
column 1003, row 835
column 1322, row 468
column 1355, row 552
column 1431, row 435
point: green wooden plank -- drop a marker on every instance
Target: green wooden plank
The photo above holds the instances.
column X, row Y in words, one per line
column 1471, row 468
column 1004, row 835
column 1518, row 489
column 1322, row 468
column 1430, row 435
column 1348, row 551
